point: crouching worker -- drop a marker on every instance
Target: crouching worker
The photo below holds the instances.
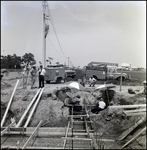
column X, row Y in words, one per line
column 92, row 81
column 100, row 105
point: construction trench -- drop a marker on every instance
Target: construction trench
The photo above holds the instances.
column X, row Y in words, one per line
column 67, row 118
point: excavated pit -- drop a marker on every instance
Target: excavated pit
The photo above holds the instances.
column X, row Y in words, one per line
column 54, row 113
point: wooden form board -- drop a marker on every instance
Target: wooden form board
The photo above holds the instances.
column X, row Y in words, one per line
column 7, row 128
column 127, row 106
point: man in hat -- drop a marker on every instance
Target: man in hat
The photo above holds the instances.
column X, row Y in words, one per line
column 41, row 76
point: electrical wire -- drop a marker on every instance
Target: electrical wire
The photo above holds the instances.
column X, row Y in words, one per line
column 51, row 20
column 54, row 47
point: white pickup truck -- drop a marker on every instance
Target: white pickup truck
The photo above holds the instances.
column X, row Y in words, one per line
column 102, row 73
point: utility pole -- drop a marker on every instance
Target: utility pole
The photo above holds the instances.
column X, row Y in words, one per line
column 68, row 61
column 45, row 30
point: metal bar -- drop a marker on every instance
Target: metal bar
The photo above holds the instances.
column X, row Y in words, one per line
column 4, row 117
column 66, row 135
column 32, row 135
column 33, row 109
column 26, row 111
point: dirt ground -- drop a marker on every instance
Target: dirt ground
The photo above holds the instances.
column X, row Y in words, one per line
column 51, row 111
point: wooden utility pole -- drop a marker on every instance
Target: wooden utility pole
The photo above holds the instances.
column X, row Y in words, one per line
column 68, row 61
column 121, row 80
column 45, row 30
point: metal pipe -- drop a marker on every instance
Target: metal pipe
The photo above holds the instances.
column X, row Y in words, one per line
column 4, row 117
column 28, row 108
column 33, row 109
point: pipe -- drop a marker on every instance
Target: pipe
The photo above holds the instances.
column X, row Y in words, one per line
column 4, row 117
column 26, row 111
column 33, row 109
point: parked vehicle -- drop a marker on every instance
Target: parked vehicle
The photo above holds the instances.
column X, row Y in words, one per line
column 58, row 74
column 105, row 73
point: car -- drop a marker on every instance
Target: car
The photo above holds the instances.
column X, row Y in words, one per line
column 4, row 70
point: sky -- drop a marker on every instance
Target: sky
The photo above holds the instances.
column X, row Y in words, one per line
column 79, row 31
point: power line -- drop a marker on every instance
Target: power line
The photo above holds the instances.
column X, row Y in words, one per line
column 55, row 31
column 55, row 48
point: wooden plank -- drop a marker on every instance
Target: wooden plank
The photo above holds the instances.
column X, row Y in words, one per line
column 136, row 114
column 33, row 147
column 132, row 139
column 8, row 127
column 76, row 138
column 32, row 135
column 88, row 139
column 66, row 135
column 28, row 108
column 126, row 106
column 124, row 134
column 15, row 129
column 33, row 109
column 10, row 101
column 78, row 116
column 136, row 110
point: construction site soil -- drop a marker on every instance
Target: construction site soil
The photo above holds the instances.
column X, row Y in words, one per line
column 53, row 113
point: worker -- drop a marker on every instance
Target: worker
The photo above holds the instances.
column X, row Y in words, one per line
column 92, row 81
column 100, row 105
column 33, row 73
column 83, row 80
column 41, row 76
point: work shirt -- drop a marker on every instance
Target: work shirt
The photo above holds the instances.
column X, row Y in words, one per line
column 42, row 72
column 102, row 104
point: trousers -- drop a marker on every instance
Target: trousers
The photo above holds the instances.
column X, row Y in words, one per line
column 41, row 81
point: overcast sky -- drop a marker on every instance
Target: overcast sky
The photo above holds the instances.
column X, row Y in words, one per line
column 102, row 31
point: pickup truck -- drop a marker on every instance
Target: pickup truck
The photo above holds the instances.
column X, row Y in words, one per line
column 101, row 73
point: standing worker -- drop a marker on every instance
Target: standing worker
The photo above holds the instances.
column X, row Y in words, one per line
column 41, row 76
column 33, row 73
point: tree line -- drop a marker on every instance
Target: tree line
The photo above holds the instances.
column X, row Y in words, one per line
column 16, row 62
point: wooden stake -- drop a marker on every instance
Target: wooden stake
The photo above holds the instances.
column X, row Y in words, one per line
column 4, row 117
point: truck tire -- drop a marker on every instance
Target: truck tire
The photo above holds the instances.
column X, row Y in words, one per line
column 68, row 79
column 47, row 81
column 58, row 80
column 119, row 78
